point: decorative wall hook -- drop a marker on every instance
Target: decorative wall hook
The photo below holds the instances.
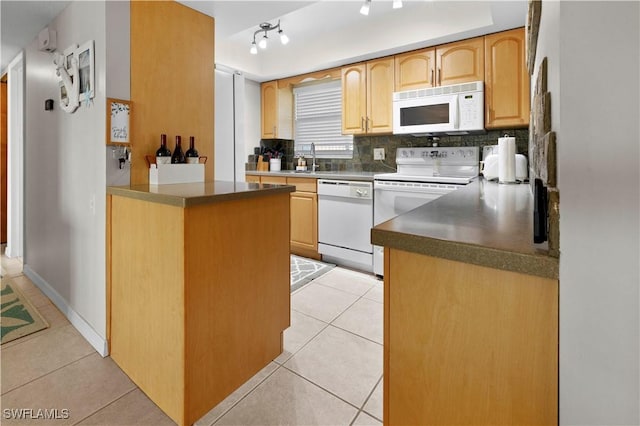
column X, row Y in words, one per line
column 69, row 87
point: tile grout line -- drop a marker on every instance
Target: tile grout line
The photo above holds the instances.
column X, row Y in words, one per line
column 110, row 403
column 309, row 341
column 369, row 397
column 320, row 387
column 246, row 395
column 51, row 372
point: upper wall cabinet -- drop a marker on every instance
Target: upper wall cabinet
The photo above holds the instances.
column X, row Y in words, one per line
column 277, row 111
column 452, row 63
column 507, row 81
column 415, row 70
column 367, row 91
column 460, row 62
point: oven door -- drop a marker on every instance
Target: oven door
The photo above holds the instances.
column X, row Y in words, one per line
column 426, row 115
column 392, row 198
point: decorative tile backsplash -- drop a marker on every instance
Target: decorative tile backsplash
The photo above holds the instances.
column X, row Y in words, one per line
column 363, row 149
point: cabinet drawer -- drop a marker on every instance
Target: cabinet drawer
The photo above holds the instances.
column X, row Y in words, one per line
column 303, row 184
column 252, row 178
column 277, row 180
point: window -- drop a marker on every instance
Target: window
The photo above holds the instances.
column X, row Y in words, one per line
column 318, row 120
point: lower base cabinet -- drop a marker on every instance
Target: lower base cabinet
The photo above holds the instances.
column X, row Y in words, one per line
column 467, row 344
column 304, row 212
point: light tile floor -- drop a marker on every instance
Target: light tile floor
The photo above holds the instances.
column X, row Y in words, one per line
column 330, row 372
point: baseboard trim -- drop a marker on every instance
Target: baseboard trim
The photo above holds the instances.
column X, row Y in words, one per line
column 83, row 327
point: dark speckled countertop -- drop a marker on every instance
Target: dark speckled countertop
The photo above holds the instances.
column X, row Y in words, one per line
column 484, row 223
column 193, row 194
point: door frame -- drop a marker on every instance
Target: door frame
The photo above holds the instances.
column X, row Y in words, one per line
column 15, row 156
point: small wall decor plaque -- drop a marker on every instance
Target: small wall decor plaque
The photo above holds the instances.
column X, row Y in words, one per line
column 118, row 121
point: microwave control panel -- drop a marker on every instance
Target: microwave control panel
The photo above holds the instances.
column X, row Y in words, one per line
column 471, row 107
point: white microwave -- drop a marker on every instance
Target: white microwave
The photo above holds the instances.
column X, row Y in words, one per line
column 457, row 109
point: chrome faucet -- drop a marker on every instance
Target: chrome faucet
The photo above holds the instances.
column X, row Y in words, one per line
column 314, row 166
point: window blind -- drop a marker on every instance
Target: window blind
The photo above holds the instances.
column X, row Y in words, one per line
column 318, row 120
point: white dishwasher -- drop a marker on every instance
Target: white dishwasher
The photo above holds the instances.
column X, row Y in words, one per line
column 345, row 219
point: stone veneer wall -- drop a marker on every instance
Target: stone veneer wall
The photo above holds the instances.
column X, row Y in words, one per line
column 363, row 149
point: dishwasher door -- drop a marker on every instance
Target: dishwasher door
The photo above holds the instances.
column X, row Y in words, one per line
column 345, row 216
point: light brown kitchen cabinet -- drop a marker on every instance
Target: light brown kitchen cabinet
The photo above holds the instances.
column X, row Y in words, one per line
column 367, row 91
column 468, row 344
column 506, row 80
column 451, row 63
column 304, row 221
column 276, row 105
column 415, row 70
column 303, row 212
column 460, row 62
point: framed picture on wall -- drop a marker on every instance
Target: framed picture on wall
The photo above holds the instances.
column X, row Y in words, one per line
column 118, row 121
column 85, row 57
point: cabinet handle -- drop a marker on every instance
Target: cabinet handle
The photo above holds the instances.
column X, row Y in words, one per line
column 439, row 77
column 367, row 126
column 362, row 124
column 431, row 80
column 274, row 131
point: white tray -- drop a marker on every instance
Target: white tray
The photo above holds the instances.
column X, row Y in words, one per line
column 161, row 174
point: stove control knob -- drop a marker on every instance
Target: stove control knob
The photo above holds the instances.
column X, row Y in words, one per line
column 405, row 153
column 411, row 153
column 470, row 153
column 461, row 153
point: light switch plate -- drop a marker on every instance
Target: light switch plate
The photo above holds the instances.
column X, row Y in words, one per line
column 378, row 153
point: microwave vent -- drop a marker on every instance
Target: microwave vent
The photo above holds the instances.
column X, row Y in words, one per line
column 475, row 86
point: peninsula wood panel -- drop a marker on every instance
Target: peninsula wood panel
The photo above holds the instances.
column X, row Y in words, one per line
column 466, row 344
column 507, row 80
column 236, row 293
column 147, row 298
column 203, row 306
column 172, row 81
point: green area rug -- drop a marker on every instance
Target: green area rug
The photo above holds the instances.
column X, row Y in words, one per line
column 304, row 270
column 18, row 317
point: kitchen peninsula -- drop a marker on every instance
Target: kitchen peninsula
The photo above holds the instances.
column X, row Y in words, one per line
column 470, row 312
column 198, row 288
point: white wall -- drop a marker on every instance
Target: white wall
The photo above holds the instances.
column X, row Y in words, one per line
column 252, row 116
column 592, row 48
column 65, row 180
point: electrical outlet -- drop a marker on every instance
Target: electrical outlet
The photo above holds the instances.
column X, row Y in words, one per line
column 378, row 153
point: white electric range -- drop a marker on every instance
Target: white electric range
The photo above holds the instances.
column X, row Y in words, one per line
column 423, row 174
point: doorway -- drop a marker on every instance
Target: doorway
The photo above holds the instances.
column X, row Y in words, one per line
column 15, row 157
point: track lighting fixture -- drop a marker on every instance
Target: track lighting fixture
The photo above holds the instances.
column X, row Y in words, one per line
column 365, row 7
column 265, row 27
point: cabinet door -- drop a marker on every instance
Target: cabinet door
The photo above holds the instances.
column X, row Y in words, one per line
column 415, row 70
column 304, row 220
column 507, row 81
column 460, row 62
column 269, row 109
column 354, row 99
column 379, row 96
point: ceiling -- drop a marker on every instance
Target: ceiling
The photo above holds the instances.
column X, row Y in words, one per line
column 331, row 33
column 323, row 34
column 21, row 21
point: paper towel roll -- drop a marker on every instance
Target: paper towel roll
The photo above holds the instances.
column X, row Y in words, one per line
column 506, row 160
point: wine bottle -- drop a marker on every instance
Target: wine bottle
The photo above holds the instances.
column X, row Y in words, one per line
column 192, row 155
column 178, row 155
column 163, row 154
